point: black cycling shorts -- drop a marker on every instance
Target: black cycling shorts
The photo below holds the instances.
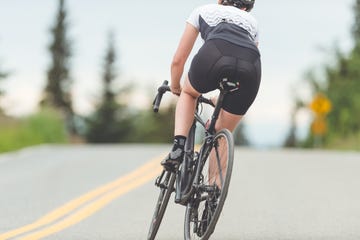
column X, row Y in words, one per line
column 218, row 59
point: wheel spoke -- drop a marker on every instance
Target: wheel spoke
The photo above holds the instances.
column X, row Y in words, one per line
column 204, row 208
column 219, row 165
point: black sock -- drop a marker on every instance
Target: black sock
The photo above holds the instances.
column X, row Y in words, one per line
column 179, row 142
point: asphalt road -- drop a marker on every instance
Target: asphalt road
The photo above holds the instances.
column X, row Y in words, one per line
column 107, row 192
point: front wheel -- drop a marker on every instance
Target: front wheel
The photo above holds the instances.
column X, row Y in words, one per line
column 212, row 184
column 166, row 184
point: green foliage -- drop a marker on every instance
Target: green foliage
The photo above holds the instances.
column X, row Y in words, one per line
column 46, row 126
column 138, row 127
column 150, row 127
column 109, row 124
column 344, row 91
column 341, row 84
column 351, row 142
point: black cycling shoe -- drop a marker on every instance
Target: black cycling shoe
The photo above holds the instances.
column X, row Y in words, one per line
column 173, row 160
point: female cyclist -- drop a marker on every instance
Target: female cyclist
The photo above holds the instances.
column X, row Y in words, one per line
column 229, row 51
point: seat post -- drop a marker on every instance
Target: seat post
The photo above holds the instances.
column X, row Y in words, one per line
column 225, row 86
column 216, row 112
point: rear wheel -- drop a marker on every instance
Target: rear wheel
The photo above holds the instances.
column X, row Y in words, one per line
column 166, row 184
column 203, row 210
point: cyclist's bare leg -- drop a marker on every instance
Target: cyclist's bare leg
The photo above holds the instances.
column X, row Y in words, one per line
column 184, row 117
column 185, row 109
column 229, row 121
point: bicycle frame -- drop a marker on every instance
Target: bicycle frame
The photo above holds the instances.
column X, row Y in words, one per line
column 186, row 180
column 188, row 174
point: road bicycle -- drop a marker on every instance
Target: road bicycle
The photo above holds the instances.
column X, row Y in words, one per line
column 201, row 181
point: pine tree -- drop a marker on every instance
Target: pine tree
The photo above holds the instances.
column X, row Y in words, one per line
column 58, row 87
column 3, row 75
column 109, row 123
column 356, row 26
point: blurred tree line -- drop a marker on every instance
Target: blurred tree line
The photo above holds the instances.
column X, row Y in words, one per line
column 3, row 75
column 113, row 120
column 340, row 83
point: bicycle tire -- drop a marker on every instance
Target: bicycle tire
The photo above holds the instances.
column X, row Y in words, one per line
column 198, row 223
column 166, row 188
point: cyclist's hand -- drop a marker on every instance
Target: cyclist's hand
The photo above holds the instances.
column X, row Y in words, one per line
column 176, row 89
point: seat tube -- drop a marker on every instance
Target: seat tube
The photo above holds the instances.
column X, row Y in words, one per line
column 216, row 113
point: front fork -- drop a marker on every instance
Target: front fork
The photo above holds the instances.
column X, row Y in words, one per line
column 162, row 181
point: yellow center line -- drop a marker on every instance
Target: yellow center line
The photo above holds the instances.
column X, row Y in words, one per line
column 76, row 203
column 93, row 207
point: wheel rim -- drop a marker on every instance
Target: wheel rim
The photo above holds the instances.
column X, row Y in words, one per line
column 203, row 211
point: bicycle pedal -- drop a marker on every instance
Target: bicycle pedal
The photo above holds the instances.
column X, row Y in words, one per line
column 163, row 186
column 170, row 167
column 157, row 181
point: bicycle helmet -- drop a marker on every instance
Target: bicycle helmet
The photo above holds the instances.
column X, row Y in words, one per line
column 248, row 4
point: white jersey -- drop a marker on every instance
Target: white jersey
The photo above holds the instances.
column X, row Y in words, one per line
column 225, row 22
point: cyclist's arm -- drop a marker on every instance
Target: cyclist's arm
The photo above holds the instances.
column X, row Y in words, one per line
column 182, row 53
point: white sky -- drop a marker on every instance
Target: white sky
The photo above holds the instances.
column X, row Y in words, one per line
column 147, row 34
